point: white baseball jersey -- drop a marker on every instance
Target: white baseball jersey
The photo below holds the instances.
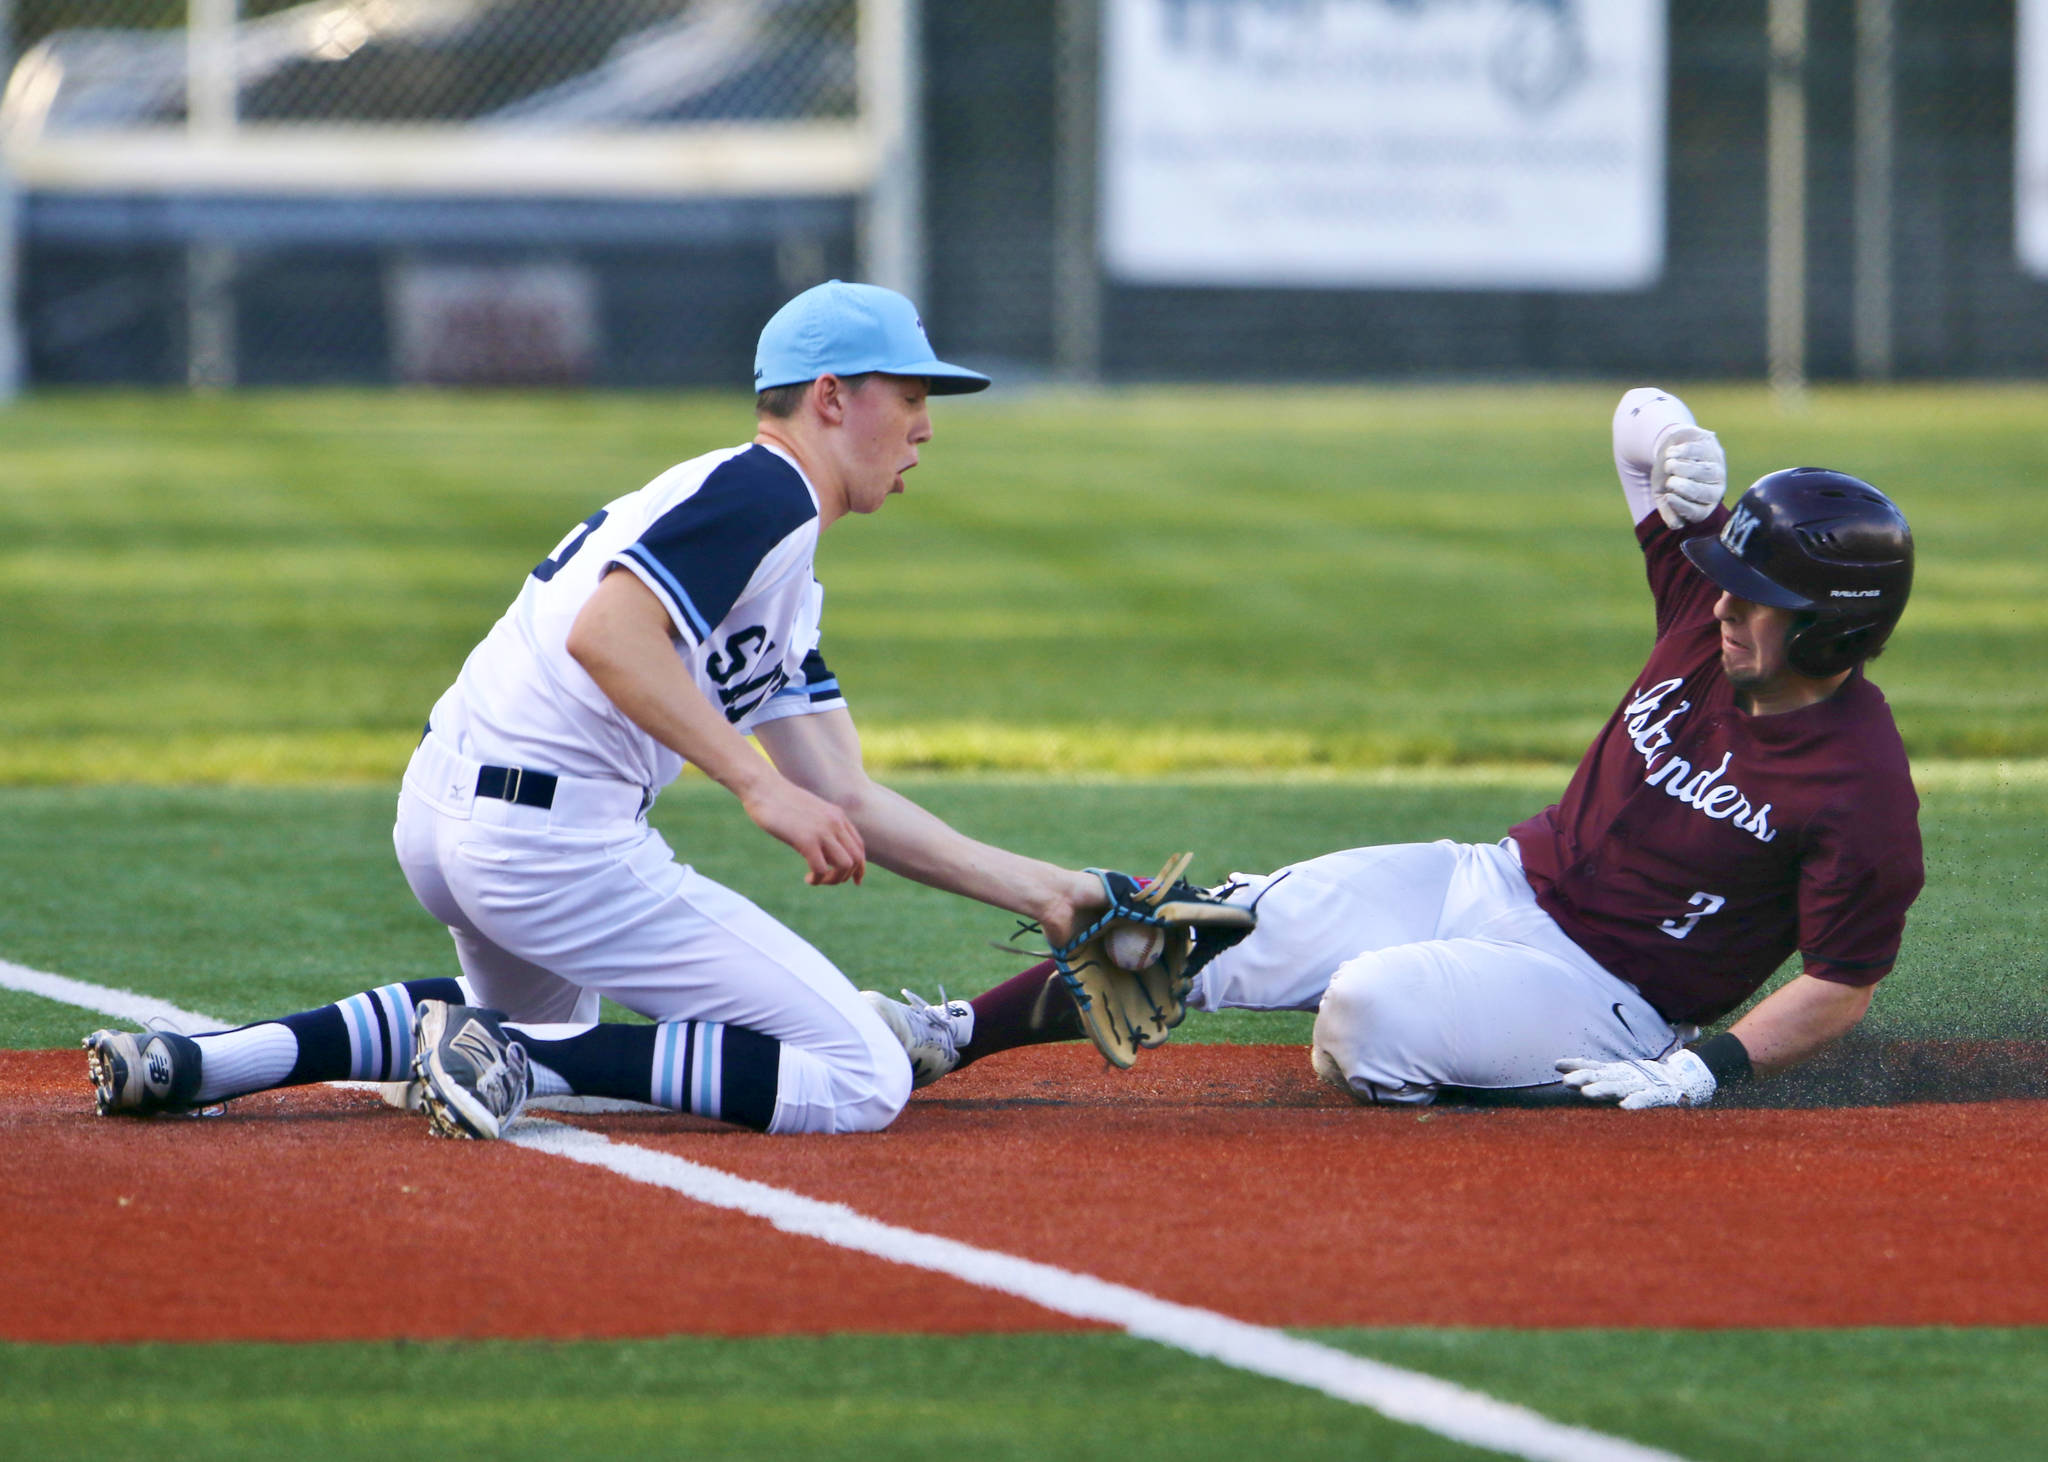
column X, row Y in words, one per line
column 725, row 541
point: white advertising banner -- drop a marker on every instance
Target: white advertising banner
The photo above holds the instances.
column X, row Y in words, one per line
column 2030, row 150
column 1466, row 144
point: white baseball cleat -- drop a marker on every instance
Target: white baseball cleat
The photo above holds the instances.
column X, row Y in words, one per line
column 475, row 1078
column 931, row 1035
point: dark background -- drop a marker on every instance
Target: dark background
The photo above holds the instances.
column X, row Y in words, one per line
column 683, row 287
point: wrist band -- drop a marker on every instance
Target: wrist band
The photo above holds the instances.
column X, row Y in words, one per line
column 1726, row 1057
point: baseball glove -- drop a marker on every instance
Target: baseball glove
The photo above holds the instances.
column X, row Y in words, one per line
column 1126, row 1010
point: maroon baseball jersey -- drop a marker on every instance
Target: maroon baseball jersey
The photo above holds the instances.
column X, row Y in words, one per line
column 1698, row 846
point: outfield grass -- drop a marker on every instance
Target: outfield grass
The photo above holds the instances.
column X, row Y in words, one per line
column 250, row 902
column 268, row 588
column 1731, row 1396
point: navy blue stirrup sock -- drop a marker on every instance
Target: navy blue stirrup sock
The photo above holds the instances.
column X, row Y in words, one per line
column 699, row 1066
column 367, row 1037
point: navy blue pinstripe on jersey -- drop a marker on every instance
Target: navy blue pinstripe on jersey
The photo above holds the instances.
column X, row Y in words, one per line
column 702, row 552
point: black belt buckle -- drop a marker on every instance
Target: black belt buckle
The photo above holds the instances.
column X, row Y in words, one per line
column 514, row 784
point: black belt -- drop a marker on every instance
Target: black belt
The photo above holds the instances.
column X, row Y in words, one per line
column 510, row 784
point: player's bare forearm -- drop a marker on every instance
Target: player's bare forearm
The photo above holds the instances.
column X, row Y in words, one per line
column 822, row 753
column 1794, row 1022
column 907, row 840
column 621, row 638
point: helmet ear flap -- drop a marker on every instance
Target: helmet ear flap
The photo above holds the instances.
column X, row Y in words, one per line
column 1821, row 647
column 1808, row 648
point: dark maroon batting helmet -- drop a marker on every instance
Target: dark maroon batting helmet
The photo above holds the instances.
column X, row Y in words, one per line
column 1827, row 545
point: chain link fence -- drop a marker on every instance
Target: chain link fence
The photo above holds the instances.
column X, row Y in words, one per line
column 92, row 65
column 448, row 191
column 616, row 192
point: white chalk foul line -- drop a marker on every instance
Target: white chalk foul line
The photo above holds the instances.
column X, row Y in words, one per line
column 1419, row 1400
column 1408, row 1396
column 122, row 1004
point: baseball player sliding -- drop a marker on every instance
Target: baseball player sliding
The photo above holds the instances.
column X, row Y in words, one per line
column 1748, row 798
column 661, row 630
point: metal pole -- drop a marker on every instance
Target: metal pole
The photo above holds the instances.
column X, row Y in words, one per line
column 210, row 66
column 1077, row 269
column 2030, row 149
column 1785, row 171
column 1876, row 109
column 210, row 354
column 10, row 238
column 210, row 362
column 891, row 102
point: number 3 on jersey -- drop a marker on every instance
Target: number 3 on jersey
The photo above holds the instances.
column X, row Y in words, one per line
column 1703, row 905
column 547, row 568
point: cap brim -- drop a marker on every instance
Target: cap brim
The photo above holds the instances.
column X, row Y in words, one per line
column 943, row 379
column 1712, row 558
column 947, row 380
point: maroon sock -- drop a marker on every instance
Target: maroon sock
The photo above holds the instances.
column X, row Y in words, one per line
column 1025, row 1010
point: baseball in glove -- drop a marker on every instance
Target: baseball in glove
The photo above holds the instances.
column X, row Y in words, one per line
column 1126, row 1010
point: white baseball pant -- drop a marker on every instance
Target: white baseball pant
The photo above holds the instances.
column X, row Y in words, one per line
column 553, row 907
column 1429, row 965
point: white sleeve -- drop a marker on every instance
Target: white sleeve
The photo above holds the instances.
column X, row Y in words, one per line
column 1639, row 420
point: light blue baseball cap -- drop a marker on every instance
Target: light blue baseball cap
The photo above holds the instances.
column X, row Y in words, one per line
column 844, row 329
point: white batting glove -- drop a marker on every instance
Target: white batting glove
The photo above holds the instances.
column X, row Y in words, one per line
column 1688, row 474
column 1679, row 1080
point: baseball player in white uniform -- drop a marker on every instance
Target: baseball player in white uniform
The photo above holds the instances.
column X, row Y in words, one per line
column 664, row 629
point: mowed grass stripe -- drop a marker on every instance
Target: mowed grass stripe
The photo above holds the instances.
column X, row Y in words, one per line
column 250, row 902
column 1727, row 1396
column 1338, row 578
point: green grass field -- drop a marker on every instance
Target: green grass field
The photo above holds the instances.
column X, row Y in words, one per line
column 269, row 587
column 1333, row 617
column 1728, row 1396
column 248, row 902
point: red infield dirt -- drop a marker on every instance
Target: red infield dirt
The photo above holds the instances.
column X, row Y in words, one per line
column 1213, row 1175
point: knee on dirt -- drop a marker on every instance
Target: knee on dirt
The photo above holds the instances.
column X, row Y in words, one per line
column 1375, row 1018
